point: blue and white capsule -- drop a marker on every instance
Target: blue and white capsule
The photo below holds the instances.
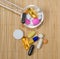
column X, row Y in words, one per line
column 35, row 38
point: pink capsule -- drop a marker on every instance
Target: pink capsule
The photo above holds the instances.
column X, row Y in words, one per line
column 27, row 21
column 35, row 21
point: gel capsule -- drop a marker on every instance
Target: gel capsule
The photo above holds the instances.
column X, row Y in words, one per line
column 25, row 43
column 32, row 13
column 31, row 34
column 35, row 38
column 31, row 41
column 23, row 18
column 31, row 50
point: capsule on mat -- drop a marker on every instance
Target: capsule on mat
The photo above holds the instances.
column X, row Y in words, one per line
column 35, row 38
column 25, row 43
column 23, row 18
column 31, row 41
column 31, row 34
column 40, row 42
column 32, row 13
column 39, row 45
column 31, row 50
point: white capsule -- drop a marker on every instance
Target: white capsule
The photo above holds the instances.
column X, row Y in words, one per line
column 28, row 16
column 39, row 45
column 40, row 36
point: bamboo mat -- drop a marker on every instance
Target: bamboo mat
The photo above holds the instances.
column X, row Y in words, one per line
column 9, row 21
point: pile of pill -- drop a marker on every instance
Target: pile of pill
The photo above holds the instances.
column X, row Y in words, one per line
column 30, row 39
column 31, row 17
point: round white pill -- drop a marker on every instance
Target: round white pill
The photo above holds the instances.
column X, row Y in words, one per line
column 18, row 34
column 40, row 35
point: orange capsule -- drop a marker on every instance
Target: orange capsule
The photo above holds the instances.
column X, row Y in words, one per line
column 45, row 41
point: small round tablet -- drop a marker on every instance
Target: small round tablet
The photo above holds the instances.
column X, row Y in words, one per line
column 18, row 34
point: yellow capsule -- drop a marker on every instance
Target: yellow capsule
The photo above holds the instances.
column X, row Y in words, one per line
column 31, row 34
column 32, row 12
column 25, row 43
column 31, row 41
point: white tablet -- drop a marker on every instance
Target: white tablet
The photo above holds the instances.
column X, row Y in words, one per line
column 18, row 34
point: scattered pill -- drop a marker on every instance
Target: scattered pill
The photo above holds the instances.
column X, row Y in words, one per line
column 39, row 45
column 31, row 41
column 45, row 41
column 35, row 38
column 31, row 50
column 31, row 34
column 27, row 21
column 32, row 12
column 23, row 18
column 18, row 34
column 35, row 21
column 25, row 43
